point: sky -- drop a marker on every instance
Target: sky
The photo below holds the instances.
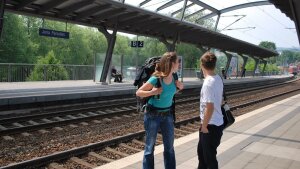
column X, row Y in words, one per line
column 266, row 23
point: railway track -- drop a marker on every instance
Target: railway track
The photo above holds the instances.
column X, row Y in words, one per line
column 101, row 110
column 103, row 152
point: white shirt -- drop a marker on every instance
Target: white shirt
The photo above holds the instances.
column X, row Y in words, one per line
column 212, row 92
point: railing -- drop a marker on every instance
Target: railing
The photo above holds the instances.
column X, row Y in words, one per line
column 14, row 72
column 20, row 72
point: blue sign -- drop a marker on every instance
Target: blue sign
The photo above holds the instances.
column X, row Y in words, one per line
column 53, row 33
column 138, row 44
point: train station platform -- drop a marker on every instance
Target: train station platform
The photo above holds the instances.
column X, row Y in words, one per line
column 16, row 93
column 267, row 138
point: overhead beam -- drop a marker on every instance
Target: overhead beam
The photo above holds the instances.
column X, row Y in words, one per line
column 296, row 14
column 24, row 3
column 204, row 5
column 144, row 2
column 236, row 7
column 179, row 10
column 50, row 5
column 195, row 13
column 74, row 7
column 91, row 11
column 168, row 4
column 106, row 14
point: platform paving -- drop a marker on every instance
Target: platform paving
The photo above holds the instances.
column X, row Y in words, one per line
column 267, row 138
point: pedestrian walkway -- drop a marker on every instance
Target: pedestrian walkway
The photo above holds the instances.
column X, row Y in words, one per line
column 267, row 138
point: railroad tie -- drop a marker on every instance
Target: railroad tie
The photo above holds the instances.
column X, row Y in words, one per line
column 100, row 157
column 82, row 115
column 101, row 112
column 33, row 122
column 84, row 123
column 55, row 166
column 25, row 134
column 92, row 114
column 97, row 121
column 116, row 152
column 2, row 127
column 129, row 147
column 138, row 142
column 71, row 117
column 42, row 131
column 182, row 131
column 179, row 135
column 188, row 128
column 18, row 125
column 46, row 120
column 7, row 138
column 82, row 162
column 59, row 119
column 73, row 125
column 58, row 128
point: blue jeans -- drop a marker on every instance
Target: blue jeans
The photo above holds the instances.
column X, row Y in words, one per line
column 151, row 124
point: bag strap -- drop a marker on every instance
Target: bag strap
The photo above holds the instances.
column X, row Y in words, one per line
column 224, row 94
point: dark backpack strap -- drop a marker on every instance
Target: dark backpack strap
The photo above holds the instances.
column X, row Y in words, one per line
column 224, row 94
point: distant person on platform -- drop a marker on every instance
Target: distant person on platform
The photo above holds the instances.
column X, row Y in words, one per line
column 116, row 75
column 224, row 74
column 243, row 72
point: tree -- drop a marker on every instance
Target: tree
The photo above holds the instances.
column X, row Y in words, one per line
column 14, row 42
column 49, row 67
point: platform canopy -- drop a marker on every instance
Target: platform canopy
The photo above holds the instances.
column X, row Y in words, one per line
column 291, row 9
column 134, row 20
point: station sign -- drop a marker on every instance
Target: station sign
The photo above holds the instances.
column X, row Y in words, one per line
column 53, row 33
column 137, row 44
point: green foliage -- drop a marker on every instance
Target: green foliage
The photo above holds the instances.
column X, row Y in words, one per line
column 14, row 43
column 48, row 68
column 190, row 54
column 268, row 45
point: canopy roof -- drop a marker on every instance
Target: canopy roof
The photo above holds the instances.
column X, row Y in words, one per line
column 134, row 20
column 291, row 9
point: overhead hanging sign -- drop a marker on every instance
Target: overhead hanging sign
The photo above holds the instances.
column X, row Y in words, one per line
column 138, row 44
column 53, row 33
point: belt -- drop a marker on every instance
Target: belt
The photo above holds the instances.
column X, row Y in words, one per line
column 163, row 113
column 157, row 111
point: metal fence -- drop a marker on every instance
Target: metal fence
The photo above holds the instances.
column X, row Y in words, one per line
column 14, row 72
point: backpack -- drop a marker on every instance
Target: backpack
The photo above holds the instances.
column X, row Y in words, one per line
column 142, row 77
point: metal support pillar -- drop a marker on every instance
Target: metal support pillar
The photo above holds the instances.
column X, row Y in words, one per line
column 217, row 22
column 111, row 39
column 170, row 46
column 183, row 10
column 229, row 56
column 245, row 59
column 264, row 68
column 255, row 66
column 2, row 5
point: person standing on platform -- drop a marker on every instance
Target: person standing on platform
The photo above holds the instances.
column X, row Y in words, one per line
column 211, row 128
column 243, row 72
column 158, row 110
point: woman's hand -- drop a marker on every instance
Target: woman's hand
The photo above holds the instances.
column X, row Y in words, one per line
column 156, row 91
column 179, row 85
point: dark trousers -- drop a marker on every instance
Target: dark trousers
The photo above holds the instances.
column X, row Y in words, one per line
column 207, row 147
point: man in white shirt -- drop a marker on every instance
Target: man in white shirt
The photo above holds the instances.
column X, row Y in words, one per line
column 211, row 129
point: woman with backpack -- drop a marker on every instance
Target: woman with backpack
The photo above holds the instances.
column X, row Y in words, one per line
column 158, row 109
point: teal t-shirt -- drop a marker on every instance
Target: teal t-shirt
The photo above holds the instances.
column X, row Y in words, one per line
column 166, row 97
